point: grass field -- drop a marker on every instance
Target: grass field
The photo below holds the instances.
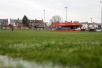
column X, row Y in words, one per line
column 76, row 49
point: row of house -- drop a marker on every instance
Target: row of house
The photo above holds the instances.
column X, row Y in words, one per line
column 33, row 24
column 86, row 25
column 17, row 24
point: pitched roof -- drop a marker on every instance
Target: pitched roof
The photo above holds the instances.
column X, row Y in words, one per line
column 3, row 20
column 91, row 23
column 38, row 21
column 67, row 24
column 15, row 21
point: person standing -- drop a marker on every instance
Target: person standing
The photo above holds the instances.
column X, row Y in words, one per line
column 12, row 28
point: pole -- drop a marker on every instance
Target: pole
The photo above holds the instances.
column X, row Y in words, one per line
column 101, row 15
column 44, row 19
column 91, row 20
column 66, row 14
column 44, row 16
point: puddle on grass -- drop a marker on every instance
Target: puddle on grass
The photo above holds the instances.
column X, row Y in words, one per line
column 6, row 62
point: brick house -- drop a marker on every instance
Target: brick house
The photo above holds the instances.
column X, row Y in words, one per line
column 37, row 24
column 33, row 24
column 16, row 23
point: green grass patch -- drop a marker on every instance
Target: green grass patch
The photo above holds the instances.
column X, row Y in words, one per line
column 77, row 49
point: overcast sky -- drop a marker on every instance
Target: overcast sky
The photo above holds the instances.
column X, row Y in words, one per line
column 78, row 10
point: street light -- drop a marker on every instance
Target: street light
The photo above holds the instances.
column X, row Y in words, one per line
column 66, row 13
column 91, row 20
column 101, row 15
column 44, row 19
column 44, row 16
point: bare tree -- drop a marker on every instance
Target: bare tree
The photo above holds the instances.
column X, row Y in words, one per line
column 55, row 18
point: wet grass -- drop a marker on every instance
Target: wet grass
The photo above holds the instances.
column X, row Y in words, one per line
column 82, row 49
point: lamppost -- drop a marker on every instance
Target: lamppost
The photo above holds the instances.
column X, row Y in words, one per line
column 91, row 20
column 44, row 19
column 44, row 16
column 101, row 15
column 66, row 13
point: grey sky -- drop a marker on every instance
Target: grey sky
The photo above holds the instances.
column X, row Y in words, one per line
column 78, row 10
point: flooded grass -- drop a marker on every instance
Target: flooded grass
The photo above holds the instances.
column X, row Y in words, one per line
column 7, row 62
column 64, row 50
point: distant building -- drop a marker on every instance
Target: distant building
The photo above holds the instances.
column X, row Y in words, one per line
column 39, row 24
column 17, row 23
column 3, row 23
column 33, row 24
column 66, row 27
column 86, row 25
